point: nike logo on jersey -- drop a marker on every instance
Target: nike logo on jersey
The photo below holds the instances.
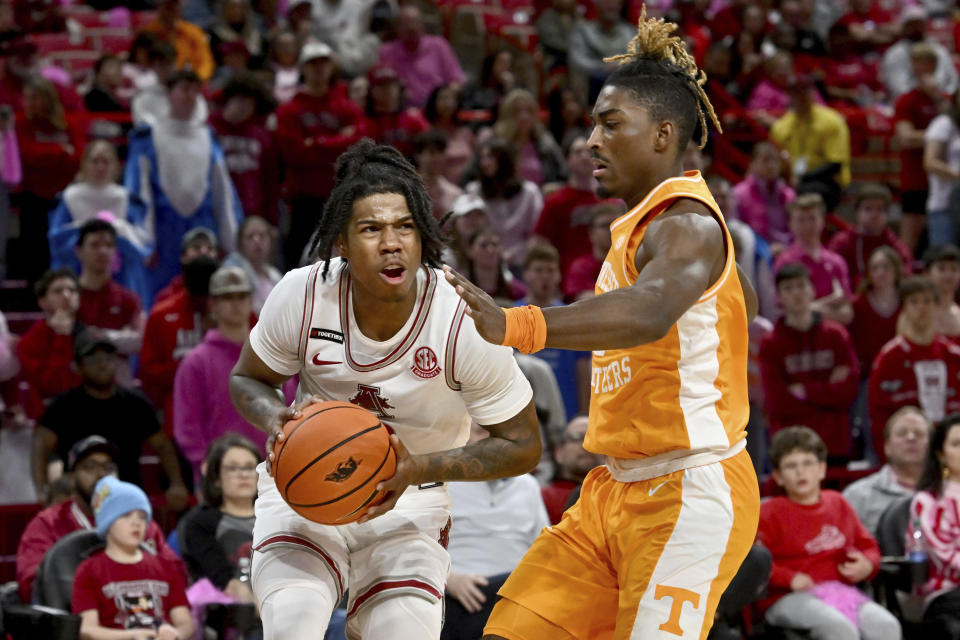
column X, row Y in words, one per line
column 317, row 361
column 657, row 488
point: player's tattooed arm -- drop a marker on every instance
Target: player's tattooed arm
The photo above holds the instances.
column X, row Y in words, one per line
column 513, row 448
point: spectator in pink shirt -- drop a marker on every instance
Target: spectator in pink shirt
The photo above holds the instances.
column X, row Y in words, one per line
column 763, row 197
column 422, row 61
column 828, row 271
column 769, row 97
column 580, row 279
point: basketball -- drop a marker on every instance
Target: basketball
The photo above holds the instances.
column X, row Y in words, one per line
column 328, row 465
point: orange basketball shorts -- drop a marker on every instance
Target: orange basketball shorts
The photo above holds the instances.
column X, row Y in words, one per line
column 640, row 560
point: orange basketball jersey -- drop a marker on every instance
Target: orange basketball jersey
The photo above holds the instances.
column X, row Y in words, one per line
column 688, row 390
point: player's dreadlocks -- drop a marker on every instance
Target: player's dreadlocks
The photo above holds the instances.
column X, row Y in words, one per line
column 366, row 169
column 664, row 77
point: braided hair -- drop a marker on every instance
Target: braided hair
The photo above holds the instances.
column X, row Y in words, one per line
column 665, row 79
column 367, row 169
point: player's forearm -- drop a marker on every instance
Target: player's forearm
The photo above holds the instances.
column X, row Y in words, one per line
column 259, row 403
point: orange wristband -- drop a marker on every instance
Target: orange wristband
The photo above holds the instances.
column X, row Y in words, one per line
column 526, row 329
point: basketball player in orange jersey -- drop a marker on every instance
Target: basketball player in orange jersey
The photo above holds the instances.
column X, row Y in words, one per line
column 377, row 326
column 661, row 528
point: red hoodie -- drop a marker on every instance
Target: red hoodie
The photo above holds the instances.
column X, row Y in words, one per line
column 908, row 374
column 855, row 249
column 309, row 135
column 789, row 356
column 45, row 359
column 251, row 157
column 811, row 539
column 398, row 129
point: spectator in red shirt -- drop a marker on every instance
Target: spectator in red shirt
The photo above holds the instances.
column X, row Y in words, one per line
column 918, row 367
column 913, row 111
column 174, row 327
column 50, row 156
column 103, row 303
column 573, row 464
column 808, row 366
column 872, row 28
column 872, row 209
column 828, row 271
column 313, row 129
column 876, row 306
column 390, row 122
column 248, row 148
column 444, row 111
column 820, row 549
column 566, row 214
column 46, row 349
column 429, row 149
column 581, row 278
column 942, row 268
column 199, row 241
column 90, row 460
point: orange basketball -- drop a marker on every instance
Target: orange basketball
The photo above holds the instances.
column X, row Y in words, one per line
column 328, row 465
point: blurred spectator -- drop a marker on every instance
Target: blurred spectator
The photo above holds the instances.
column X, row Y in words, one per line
column 196, row 242
column 871, row 26
column 495, row 523
column 942, row 267
column 202, row 410
column 941, row 159
column 236, row 24
column 581, row 277
column 216, row 538
column 50, row 157
column 573, row 464
column 728, row 20
column 16, row 443
column 541, row 277
column 177, row 167
column 390, row 121
column 110, row 307
column 593, row 40
column 905, row 439
column 174, row 327
column 99, row 406
column 808, row 366
column 120, row 587
column 358, row 90
column 345, row 26
column 193, row 49
column 748, row 43
column 423, row 62
column 871, row 206
column 815, row 136
column 566, row 214
column 9, row 365
column 46, row 349
column 468, row 216
column 851, row 78
column 105, row 94
column 495, row 81
column 236, row 62
column 97, row 196
column 913, row 112
column 827, row 270
column 152, row 103
column 513, row 204
column 284, row 54
column 549, row 405
column 771, row 95
column 808, row 40
column 429, row 152
column 248, row 148
column 443, row 111
column 554, row 27
column 820, row 550
column 897, row 69
column 935, row 519
column 918, row 367
column 256, row 247
column 89, row 460
column 539, row 158
column 20, row 61
column 138, row 68
column 568, row 116
column 763, row 197
column 315, row 127
column 487, row 268
column 876, row 306
column 11, row 173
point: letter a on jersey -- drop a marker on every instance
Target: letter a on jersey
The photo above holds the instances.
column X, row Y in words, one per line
column 370, row 399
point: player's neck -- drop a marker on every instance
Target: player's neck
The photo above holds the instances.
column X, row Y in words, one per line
column 381, row 319
column 651, row 182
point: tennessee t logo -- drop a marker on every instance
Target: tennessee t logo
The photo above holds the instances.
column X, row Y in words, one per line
column 679, row 596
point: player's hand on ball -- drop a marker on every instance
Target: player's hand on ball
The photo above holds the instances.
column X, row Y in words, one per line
column 407, row 473
column 465, row 587
column 276, row 429
column 487, row 315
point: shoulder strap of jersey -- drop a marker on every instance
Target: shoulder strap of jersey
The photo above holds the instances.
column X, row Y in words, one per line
column 307, row 317
column 450, row 350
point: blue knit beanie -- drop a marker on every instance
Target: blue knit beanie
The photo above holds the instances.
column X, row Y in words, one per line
column 114, row 499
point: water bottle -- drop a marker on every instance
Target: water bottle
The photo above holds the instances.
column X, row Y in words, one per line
column 917, row 545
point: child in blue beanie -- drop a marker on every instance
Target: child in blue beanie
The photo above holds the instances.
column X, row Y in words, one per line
column 123, row 587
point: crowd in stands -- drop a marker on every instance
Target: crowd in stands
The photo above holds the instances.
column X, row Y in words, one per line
column 163, row 163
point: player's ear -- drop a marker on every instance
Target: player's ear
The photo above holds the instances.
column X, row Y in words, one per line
column 664, row 134
column 341, row 246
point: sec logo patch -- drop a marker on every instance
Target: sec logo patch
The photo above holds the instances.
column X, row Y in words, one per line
column 425, row 363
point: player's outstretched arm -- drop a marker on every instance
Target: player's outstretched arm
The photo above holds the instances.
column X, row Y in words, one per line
column 681, row 256
column 513, row 448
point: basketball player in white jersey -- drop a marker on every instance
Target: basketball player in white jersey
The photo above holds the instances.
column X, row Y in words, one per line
column 380, row 327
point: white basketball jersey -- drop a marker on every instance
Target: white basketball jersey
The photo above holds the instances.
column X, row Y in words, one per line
column 425, row 382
